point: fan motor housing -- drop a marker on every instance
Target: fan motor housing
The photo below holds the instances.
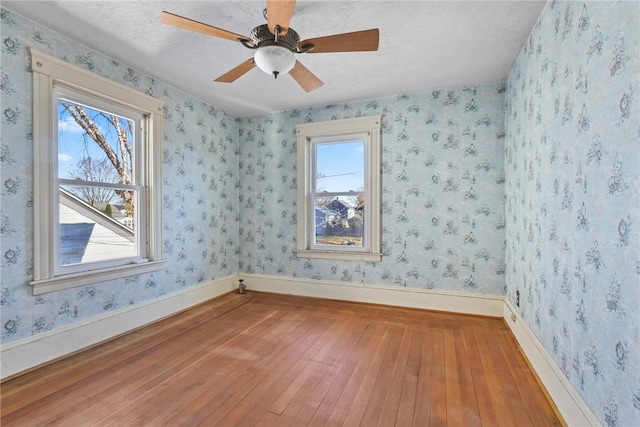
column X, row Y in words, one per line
column 261, row 36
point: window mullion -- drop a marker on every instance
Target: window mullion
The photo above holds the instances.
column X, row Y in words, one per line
column 97, row 184
column 337, row 193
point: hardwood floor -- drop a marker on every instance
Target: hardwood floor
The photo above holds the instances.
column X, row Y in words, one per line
column 264, row 359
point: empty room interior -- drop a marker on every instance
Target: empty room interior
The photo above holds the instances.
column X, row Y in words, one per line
column 320, row 213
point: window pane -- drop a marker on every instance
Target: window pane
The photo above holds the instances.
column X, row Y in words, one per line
column 92, row 231
column 94, row 145
column 339, row 221
column 339, row 167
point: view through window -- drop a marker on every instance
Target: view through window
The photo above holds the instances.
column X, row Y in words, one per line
column 98, row 191
column 338, row 196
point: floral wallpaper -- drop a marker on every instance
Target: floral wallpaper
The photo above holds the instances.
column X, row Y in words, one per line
column 199, row 190
column 572, row 197
column 442, row 192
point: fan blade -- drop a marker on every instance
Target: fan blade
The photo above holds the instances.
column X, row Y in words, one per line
column 279, row 13
column 305, row 78
column 191, row 25
column 358, row 41
column 237, row 72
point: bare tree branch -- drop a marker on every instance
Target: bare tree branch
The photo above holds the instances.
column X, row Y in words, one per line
column 125, row 146
column 122, row 164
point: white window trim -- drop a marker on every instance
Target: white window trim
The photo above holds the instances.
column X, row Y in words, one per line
column 48, row 70
column 139, row 177
column 370, row 126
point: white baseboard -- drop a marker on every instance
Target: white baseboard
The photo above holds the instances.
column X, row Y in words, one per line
column 27, row 353
column 571, row 406
column 455, row 302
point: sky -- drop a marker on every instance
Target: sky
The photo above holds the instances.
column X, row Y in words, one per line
column 71, row 140
column 340, row 166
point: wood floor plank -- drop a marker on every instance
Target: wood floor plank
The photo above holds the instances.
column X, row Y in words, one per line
column 290, row 392
column 361, row 335
column 508, row 382
column 268, row 419
column 265, row 395
column 525, row 382
column 309, row 404
column 40, row 416
column 301, row 408
column 390, row 405
column 262, row 397
column 408, row 396
column 231, row 376
column 454, row 402
column 370, row 376
column 212, row 406
column 375, row 345
column 252, row 393
column 277, row 360
column 470, row 412
column 48, row 380
column 438, row 383
column 483, row 399
column 95, row 379
column 378, row 391
column 206, row 377
column 332, row 346
column 186, row 373
column 424, row 390
column 495, row 372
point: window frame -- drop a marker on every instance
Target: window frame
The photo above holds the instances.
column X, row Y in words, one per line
column 49, row 73
column 138, row 176
column 315, row 142
column 309, row 134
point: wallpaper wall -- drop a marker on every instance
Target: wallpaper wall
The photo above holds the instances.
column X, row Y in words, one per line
column 199, row 190
column 572, row 187
column 567, row 159
column 442, row 192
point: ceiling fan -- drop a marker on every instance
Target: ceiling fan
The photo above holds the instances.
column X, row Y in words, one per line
column 275, row 44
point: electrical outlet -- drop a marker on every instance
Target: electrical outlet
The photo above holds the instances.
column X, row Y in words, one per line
column 517, row 298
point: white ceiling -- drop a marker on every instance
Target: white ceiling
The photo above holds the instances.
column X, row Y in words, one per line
column 424, row 45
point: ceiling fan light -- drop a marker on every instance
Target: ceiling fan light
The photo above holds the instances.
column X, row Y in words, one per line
column 274, row 59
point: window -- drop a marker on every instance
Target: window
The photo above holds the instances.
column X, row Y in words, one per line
column 97, row 183
column 339, row 189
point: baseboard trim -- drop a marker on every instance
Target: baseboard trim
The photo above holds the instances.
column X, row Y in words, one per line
column 25, row 354
column 568, row 402
column 455, row 302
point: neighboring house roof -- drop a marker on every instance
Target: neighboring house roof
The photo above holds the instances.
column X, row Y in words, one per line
column 343, row 203
column 87, row 234
column 326, row 211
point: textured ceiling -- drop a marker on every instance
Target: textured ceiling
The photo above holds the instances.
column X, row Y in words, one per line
column 423, row 45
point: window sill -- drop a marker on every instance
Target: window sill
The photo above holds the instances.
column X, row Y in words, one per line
column 342, row 256
column 68, row 281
